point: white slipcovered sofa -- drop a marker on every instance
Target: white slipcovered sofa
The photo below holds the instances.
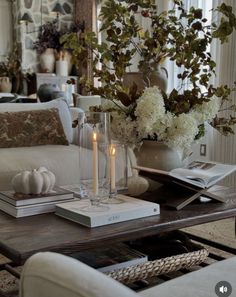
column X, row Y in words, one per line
column 62, row 160
column 54, row 275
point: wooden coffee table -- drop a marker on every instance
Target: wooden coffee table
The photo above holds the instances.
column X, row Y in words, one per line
column 21, row 238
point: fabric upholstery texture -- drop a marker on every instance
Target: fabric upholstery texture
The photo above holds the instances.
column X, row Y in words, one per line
column 62, row 160
column 85, row 102
column 31, row 128
column 54, row 275
column 60, row 104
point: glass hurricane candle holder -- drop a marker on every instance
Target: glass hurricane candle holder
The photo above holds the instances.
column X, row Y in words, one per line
column 117, row 171
column 93, row 140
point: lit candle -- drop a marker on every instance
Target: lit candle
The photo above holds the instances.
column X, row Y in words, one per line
column 95, row 164
column 113, row 167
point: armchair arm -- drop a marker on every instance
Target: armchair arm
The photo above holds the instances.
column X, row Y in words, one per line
column 56, row 275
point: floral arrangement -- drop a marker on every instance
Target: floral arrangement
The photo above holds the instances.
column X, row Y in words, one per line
column 177, row 118
column 150, row 119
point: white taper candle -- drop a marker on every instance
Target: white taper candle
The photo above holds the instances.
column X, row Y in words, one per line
column 113, row 167
column 95, row 164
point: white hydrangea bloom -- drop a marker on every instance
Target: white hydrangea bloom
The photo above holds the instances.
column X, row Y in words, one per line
column 152, row 119
column 182, row 132
column 150, row 107
column 161, row 126
column 124, row 129
column 207, row 110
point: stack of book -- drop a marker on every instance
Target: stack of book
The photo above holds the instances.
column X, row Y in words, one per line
column 19, row 205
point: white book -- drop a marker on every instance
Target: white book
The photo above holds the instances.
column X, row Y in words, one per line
column 131, row 208
column 74, row 188
column 28, row 210
column 197, row 173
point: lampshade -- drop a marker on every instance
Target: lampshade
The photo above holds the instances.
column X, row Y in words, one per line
column 26, row 18
column 58, row 9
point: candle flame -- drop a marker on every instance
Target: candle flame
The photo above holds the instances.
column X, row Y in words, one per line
column 94, row 136
column 112, row 150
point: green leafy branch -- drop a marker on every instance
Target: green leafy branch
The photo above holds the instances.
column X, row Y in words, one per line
column 183, row 38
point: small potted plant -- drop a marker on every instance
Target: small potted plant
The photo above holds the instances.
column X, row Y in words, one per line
column 11, row 75
column 50, row 47
column 46, row 45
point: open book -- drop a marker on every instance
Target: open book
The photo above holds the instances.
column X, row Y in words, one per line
column 197, row 173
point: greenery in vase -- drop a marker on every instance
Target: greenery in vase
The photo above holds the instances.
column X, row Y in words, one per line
column 50, row 34
column 182, row 36
column 11, row 68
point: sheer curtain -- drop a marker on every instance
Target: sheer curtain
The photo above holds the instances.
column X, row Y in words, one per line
column 173, row 82
column 173, row 70
column 223, row 148
column 6, row 33
column 219, row 148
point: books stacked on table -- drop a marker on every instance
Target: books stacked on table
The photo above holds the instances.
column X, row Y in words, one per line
column 111, row 258
column 20, row 205
column 130, row 208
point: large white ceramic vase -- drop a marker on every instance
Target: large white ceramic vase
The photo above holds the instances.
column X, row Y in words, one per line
column 154, row 154
column 47, row 60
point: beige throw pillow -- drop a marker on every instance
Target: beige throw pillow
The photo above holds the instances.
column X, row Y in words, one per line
column 61, row 105
column 31, row 128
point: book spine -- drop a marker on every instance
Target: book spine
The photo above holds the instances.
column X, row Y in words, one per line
column 124, row 216
column 33, row 201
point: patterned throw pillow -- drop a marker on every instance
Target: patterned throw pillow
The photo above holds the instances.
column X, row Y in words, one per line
column 30, row 128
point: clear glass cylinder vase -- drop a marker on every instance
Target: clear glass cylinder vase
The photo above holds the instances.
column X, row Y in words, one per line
column 121, row 166
column 93, row 141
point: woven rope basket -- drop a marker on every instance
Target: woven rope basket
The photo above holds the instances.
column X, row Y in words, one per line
column 161, row 266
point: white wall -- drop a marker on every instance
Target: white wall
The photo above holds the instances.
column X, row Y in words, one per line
column 6, row 33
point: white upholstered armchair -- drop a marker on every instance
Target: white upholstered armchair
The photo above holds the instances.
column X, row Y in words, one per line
column 54, row 275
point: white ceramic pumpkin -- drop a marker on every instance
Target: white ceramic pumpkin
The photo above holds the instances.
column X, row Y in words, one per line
column 37, row 181
column 137, row 185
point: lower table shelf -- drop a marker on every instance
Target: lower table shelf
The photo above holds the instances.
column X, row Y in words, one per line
column 154, row 272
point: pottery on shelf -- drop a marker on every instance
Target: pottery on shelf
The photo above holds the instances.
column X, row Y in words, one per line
column 62, row 68
column 5, row 84
column 46, row 92
column 68, row 57
column 47, row 60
